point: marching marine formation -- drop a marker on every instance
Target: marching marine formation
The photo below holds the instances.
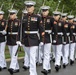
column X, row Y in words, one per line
column 41, row 35
column 46, row 22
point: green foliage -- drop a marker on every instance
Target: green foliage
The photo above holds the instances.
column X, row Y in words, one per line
column 69, row 5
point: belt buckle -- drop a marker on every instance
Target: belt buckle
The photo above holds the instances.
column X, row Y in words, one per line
column 28, row 32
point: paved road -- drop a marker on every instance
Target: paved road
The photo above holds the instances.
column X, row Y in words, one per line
column 70, row 70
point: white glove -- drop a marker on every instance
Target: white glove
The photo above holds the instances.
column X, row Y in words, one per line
column 64, row 42
column 67, row 34
column 18, row 43
column 71, row 41
column 60, row 33
column 54, row 41
column 3, row 32
column 41, row 43
column 74, row 34
column 49, row 32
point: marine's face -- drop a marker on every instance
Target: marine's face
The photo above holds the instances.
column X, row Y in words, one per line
column 57, row 17
column 70, row 20
column 1, row 16
column 45, row 12
column 12, row 16
column 64, row 18
column 30, row 9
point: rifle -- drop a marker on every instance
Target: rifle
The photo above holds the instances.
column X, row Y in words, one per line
column 12, row 5
column 20, row 35
column 63, row 9
column 42, row 5
column 1, row 7
column 71, row 12
column 58, row 5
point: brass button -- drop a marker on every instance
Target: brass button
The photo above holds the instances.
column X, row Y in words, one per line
column 29, row 18
column 28, row 23
column 28, row 28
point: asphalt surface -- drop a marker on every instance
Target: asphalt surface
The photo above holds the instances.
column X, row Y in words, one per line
column 70, row 70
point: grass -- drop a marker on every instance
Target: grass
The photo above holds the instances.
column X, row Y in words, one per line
column 20, row 52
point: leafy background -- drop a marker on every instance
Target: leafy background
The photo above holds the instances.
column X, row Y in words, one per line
column 69, row 5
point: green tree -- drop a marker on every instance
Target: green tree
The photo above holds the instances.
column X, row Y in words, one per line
column 69, row 5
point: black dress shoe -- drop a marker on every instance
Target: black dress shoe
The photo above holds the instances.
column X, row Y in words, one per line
column 49, row 71
column 45, row 72
column 64, row 66
column 57, row 68
column 0, row 68
column 10, row 71
column 71, row 62
column 4, row 68
column 15, row 71
column 25, row 68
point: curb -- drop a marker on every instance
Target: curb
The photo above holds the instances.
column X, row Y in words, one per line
column 18, row 58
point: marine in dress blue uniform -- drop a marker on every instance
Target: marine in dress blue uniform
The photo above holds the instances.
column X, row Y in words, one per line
column 13, row 40
column 65, row 39
column 72, row 38
column 57, row 39
column 46, row 22
column 3, row 27
column 30, row 26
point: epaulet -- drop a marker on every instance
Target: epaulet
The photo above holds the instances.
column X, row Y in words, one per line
column 3, row 20
column 9, row 20
column 36, row 15
column 49, row 16
column 17, row 19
